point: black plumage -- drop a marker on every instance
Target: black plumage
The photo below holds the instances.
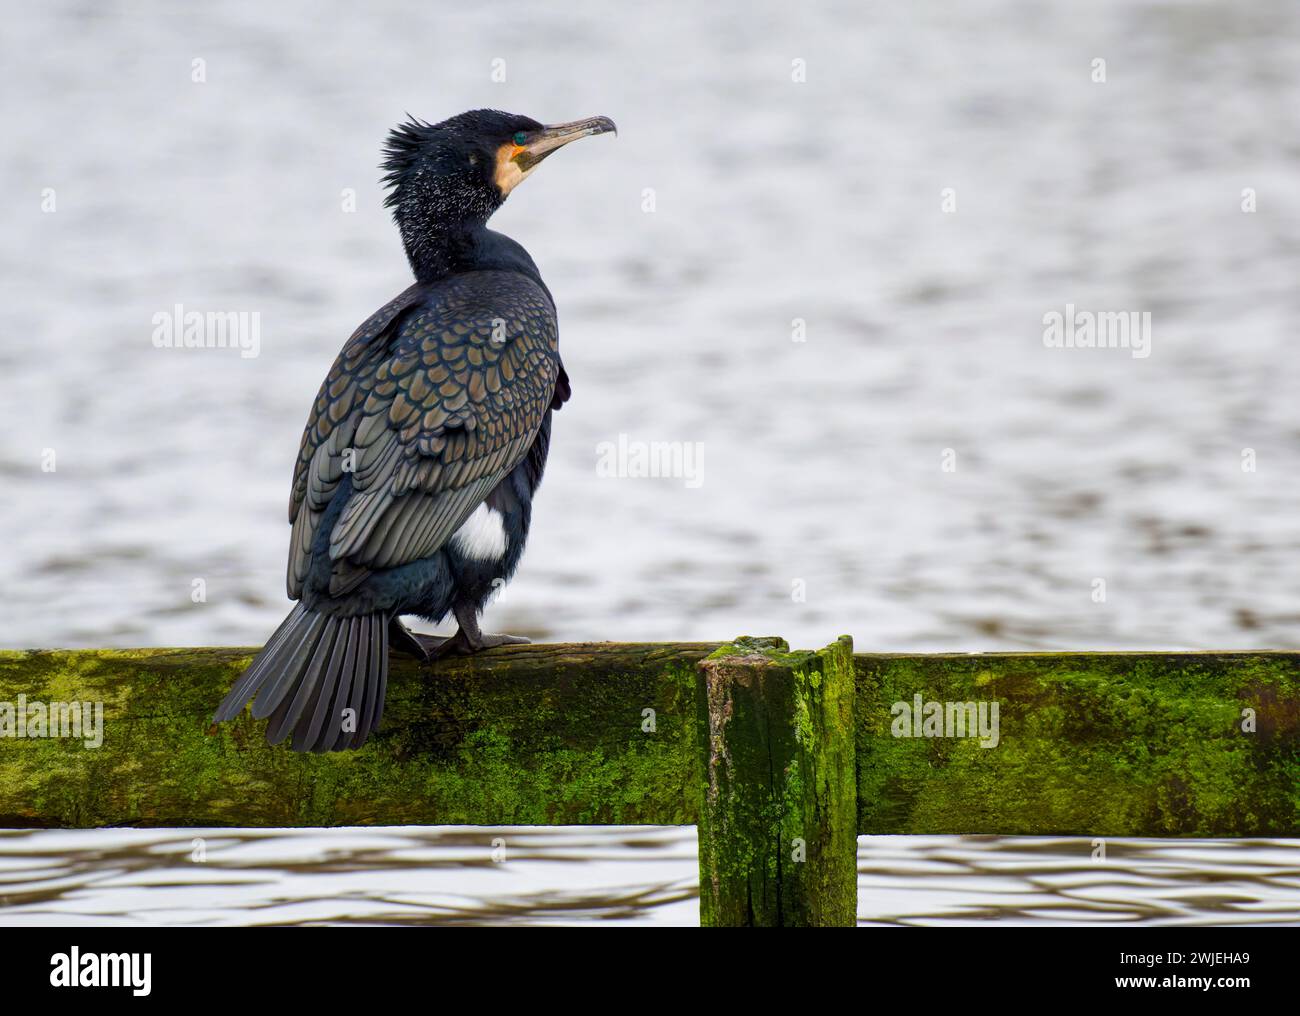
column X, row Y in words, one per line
column 437, row 410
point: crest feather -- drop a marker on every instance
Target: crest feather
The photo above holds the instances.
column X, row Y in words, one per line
column 402, row 152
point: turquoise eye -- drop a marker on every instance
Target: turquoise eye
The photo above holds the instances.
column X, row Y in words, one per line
column 520, row 138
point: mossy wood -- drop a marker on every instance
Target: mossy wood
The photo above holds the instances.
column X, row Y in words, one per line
column 1090, row 744
column 778, row 828
column 1139, row 744
column 593, row 734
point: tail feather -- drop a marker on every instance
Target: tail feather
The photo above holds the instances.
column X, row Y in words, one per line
column 357, row 690
column 305, row 688
column 334, row 689
column 310, row 673
column 377, row 686
column 285, row 669
column 251, row 679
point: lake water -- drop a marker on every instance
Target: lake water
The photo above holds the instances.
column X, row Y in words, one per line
column 921, row 467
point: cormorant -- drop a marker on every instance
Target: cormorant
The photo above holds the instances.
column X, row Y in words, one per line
column 413, row 487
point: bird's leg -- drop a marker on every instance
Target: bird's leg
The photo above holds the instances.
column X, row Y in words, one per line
column 467, row 618
column 413, row 643
column 469, row 639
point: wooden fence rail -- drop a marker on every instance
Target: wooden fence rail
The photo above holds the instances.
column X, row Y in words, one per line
column 781, row 758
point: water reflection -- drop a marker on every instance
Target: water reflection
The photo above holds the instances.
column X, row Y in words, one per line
column 614, row 875
column 948, row 880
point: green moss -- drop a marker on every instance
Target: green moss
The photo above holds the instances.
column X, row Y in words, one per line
column 1090, row 744
column 528, row 735
column 778, row 829
column 752, row 645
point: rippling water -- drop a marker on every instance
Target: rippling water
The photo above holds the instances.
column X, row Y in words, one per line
column 616, row 875
column 772, row 201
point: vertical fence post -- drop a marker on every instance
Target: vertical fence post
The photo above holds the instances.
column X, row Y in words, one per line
column 778, row 826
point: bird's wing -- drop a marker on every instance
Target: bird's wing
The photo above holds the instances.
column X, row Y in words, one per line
column 428, row 407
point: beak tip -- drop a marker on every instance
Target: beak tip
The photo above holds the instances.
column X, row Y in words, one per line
column 549, row 139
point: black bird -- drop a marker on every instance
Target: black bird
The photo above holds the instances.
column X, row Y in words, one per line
column 413, row 488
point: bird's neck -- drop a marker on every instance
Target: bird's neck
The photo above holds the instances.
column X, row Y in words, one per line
column 437, row 251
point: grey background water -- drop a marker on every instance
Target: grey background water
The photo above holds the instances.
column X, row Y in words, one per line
column 773, row 200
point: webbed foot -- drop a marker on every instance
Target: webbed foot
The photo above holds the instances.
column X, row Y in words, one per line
column 469, row 639
column 461, row 644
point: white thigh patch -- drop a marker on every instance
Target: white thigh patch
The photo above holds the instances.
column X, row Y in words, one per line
column 483, row 535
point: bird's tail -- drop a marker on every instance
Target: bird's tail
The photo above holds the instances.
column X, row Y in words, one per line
column 320, row 678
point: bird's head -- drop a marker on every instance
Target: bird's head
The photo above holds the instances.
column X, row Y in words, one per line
column 461, row 170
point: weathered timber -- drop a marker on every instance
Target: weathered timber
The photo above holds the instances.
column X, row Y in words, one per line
column 528, row 735
column 1143, row 744
column 1090, row 744
column 778, row 828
